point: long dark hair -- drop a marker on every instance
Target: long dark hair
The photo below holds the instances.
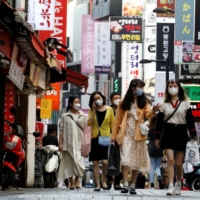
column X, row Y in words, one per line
column 181, row 92
column 70, row 101
column 152, row 123
column 129, row 97
column 92, row 98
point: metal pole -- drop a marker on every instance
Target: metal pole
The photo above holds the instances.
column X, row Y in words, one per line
column 167, row 69
column 2, row 96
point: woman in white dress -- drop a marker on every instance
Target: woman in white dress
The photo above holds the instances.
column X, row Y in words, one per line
column 70, row 129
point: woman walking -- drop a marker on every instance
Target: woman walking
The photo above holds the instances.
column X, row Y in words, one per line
column 101, row 118
column 70, row 127
column 133, row 150
column 155, row 154
column 174, row 119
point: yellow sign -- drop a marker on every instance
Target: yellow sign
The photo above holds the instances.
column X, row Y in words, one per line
column 46, row 108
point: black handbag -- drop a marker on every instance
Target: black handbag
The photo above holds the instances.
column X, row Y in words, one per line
column 114, row 160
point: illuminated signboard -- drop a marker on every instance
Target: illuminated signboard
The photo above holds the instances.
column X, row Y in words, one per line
column 193, row 92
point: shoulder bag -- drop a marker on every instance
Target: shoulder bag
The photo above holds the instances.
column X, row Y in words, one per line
column 103, row 140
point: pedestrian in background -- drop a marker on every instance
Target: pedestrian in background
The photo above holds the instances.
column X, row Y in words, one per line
column 115, row 98
column 155, row 154
column 174, row 131
column 71, row 127
column 133, row 150
column 101, row 118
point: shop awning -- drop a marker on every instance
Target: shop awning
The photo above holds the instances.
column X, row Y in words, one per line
column 72, row 77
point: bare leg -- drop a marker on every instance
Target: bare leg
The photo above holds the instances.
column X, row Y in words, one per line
column 77, row 182
column 170, row 164
column 105, row 171
column 134, row 176
column 71, row 182
column 179, row 165
column 125, row 170
column 96, row 172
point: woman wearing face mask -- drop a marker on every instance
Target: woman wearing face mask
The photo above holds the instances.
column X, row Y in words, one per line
column 133, row 151
column 101, row 118
column 174, row 136
column 70, row 129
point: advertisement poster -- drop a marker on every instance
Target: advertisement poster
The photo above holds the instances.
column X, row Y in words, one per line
column 40, row 14
column 87, row 59
column 45, row 108
column 150, row 16
column 160, row 84
column 165, row 46
column 132, row 8
column 125, row 29
column 131, row 55
column 185, row 51
column 102, row 48
column 167, row 4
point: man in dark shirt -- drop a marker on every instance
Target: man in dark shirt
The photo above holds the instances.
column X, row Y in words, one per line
column 50, row 139
column 115, row 97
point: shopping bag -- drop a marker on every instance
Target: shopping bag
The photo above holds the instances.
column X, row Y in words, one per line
column 114, row 160
column 192, row 152
column 86, row 141
column 187, row 167
column 52, row 164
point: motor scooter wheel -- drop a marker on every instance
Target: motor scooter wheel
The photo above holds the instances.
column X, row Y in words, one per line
column 195, row 185
column 7, row 177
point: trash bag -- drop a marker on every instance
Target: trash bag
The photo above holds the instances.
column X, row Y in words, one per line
column 114, row 160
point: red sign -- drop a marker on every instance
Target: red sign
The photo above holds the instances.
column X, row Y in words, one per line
column 54, row 95
column 60, row 28
column 169, row 4
column 39, row 126
column 195, row 110
column 9, row 102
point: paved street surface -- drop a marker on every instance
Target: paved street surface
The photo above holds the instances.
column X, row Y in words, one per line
column 63, row 193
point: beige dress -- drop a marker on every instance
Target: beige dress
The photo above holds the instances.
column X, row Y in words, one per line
column 134, row 153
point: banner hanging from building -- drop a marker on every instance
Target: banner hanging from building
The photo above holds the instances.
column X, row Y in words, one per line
column 40, row 14
column 185, row 52
column 125, row 29
column 45, row 108
column 60, row 28
column 131, row 55
column 87, row 60
column 117, row 84
column 132, row 8
column 150, row 16
column 102, row 48
column 165, row 46
column 169, row 4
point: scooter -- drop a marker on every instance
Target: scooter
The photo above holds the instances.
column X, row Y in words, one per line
column 14, row 152
column 51, row 167
column 192, row 176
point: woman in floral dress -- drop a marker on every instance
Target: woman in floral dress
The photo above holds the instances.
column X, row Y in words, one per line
column 133, row 151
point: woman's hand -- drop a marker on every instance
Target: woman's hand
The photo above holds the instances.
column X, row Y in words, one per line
column 156, row 108
column 157, row 143
column 112, row 140
column 60, row 147
column 94, row 108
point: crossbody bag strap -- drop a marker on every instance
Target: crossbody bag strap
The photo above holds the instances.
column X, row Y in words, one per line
column 75, row 121
column 173, row 112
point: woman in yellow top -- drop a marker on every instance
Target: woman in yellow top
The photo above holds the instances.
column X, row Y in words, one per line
column 101, row 118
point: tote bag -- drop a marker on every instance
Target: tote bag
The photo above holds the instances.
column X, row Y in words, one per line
column 86, row 141
column 192, row 152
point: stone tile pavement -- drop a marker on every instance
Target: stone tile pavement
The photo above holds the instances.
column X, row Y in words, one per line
column 87, row 194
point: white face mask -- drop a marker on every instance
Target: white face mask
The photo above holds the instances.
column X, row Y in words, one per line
column 76, row 106
column 116, row 102
column 99, row 102
column 173, row 91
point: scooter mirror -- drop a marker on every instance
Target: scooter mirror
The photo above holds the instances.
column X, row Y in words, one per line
column 13, row 111
column 36, row 134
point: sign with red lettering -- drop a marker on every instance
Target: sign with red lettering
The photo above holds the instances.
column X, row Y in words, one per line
column 40, row 14
column 59, row 29
column 9, row 102
column 170, row 4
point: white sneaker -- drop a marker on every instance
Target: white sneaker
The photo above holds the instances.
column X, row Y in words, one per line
column 170, row 190
column 177, row 189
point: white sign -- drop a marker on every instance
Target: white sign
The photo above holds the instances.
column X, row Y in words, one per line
column 150, row 16
column 150, row 52
column 131, row 68
column 102, row 48
column 160, row 83
column 41, row 14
